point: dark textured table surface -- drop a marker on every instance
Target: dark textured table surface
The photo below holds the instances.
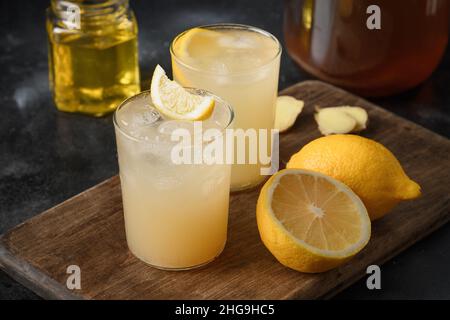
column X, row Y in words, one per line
column 47, row 156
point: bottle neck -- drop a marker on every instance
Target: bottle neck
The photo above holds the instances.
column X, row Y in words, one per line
column 79, row 12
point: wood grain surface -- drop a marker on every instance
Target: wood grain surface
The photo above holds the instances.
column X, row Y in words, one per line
column 88, row 230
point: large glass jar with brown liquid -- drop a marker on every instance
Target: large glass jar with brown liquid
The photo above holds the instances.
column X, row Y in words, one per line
column 340, row 42
column 93, row 54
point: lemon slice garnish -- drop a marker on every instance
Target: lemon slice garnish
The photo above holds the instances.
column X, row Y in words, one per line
column 175, row 102
column 197, row 42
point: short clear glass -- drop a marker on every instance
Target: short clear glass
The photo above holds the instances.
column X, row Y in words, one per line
column 176, row 215
column 240, row 64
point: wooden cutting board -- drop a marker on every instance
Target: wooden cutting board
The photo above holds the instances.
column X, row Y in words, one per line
column 88, row 230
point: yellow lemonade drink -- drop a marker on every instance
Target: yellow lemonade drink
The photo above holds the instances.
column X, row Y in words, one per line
column 175, row 214
column 241, row 65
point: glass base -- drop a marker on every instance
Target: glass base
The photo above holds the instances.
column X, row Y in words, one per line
column 179, row 268
column 249, row 186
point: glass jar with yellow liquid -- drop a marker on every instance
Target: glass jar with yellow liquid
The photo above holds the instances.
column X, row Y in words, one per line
column 93, row 54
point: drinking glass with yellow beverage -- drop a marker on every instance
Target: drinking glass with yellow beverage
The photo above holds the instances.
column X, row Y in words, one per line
column 240, row 64
column 176, row 215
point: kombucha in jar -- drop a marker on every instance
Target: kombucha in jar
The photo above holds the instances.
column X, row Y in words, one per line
column 332, row 41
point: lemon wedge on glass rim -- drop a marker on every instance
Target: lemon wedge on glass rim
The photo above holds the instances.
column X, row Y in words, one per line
column 311, row 222
column 175, row 102
column 196, row 42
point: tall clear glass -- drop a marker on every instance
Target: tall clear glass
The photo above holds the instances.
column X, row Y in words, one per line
column 175, row 214
column 240, row 64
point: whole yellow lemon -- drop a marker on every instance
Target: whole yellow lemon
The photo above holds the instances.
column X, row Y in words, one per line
column 364, row 165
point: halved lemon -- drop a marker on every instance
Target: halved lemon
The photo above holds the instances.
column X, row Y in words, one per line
column 175, row 102
column 311, row 222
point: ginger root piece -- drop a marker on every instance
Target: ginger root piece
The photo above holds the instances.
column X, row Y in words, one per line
column 286, row 112
column 340, row 120
column 359, row 114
